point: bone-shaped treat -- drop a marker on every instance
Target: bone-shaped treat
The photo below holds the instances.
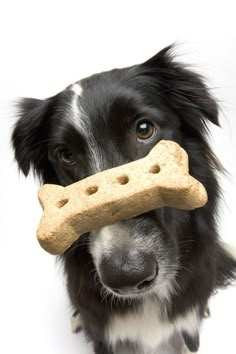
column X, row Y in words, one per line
column 160, row 179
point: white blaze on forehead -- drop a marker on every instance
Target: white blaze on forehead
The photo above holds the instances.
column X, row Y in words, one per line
column 83, row 125
column 77, row 115
column 77, row 89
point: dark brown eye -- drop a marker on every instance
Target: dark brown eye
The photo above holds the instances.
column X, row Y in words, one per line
column 66, row 156
column 145, row 129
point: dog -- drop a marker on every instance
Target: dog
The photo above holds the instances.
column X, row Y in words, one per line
column 141, row 285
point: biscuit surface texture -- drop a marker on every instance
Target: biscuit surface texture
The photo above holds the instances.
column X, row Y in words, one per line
column 160, row 179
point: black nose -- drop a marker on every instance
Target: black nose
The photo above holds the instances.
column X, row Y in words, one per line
column 129, row 272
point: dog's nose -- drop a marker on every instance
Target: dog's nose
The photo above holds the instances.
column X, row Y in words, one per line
column 128, row 272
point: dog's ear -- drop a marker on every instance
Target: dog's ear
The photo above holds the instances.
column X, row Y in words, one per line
column 162, row 59
column 183, row 88
column 30, row 138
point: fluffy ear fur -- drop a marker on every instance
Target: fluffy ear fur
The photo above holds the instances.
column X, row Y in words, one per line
column 184, row 89
column 30, row 138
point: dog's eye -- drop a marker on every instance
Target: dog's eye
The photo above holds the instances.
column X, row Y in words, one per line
column 145, row 129
column 66, row 156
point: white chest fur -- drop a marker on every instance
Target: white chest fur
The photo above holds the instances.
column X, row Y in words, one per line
column 147, row 328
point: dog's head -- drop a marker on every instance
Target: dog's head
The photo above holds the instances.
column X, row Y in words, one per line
column 113, row 118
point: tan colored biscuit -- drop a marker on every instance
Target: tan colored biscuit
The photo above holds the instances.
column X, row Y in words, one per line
column 160, row 179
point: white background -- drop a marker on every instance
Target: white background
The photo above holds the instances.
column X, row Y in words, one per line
column 46, row 45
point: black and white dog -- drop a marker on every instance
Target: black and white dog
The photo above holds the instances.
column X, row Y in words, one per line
column 141, row 285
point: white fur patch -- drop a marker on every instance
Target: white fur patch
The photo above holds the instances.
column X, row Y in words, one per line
column 189, row 322
column 82, row 123
column 147, row 327
column 144, row 327
column 77, row 116
column 77, row 89
column 76, row 323
column 229, row 248
column 105, row 240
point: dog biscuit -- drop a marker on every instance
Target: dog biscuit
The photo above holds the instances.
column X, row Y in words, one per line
column 157, row 180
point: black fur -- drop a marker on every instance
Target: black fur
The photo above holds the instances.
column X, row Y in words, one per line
column 192, row 342
column 180, row 102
